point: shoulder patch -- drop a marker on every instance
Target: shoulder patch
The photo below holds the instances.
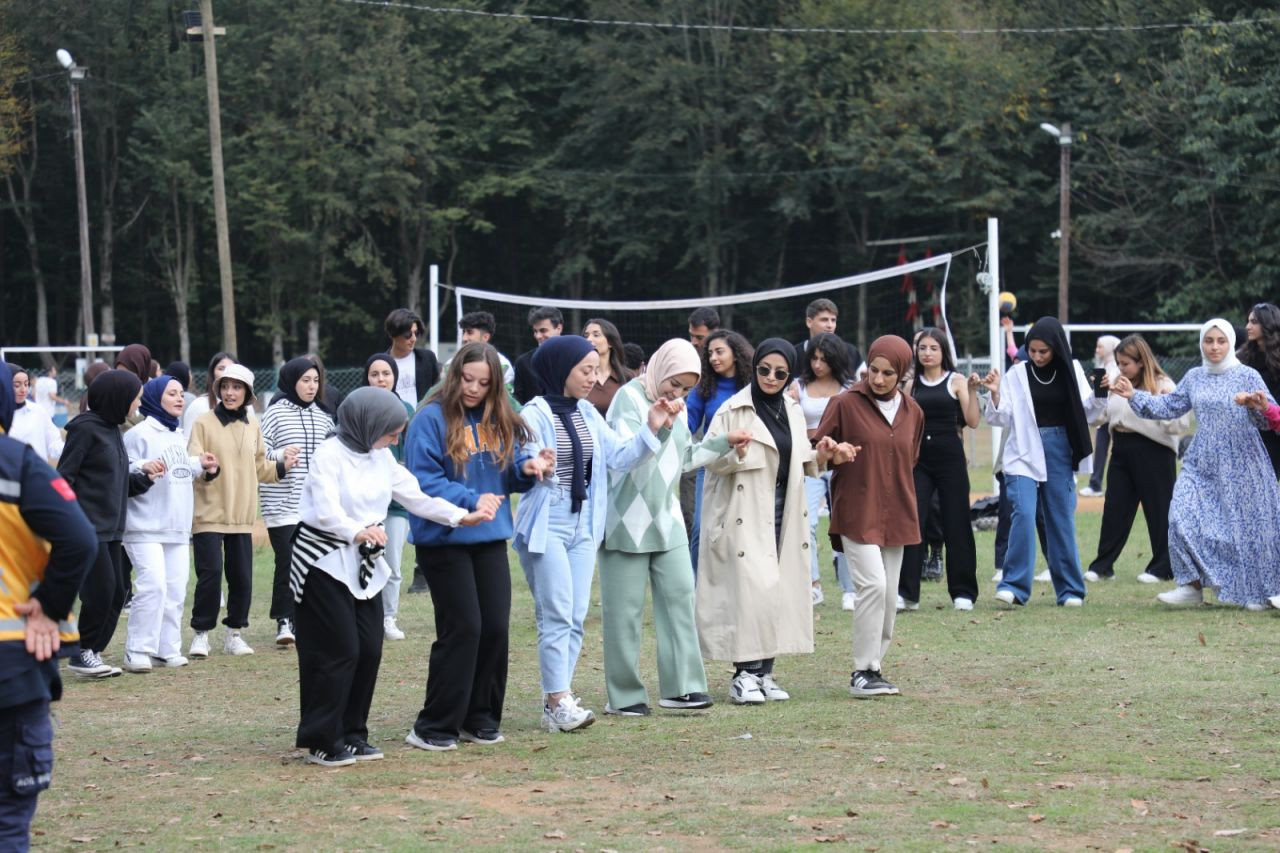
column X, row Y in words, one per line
column 63, row 488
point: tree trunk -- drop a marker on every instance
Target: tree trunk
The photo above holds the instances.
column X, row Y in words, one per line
column 108, row 175
column 26, row 172
column 313, row 336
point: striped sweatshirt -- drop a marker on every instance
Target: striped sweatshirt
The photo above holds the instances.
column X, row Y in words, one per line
column 285, row 423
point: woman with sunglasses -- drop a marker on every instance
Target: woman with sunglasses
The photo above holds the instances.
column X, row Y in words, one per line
column 753, row 599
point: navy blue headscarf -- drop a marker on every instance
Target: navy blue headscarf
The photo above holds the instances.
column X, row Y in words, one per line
column 552, row 363
column 6, row 397
column 153, row 400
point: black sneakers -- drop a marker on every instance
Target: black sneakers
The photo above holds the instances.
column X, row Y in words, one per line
column 689, row 701
column 362, row 750
column 484, row 737
column 325, row 758
column 639, row 709
column 868, row 683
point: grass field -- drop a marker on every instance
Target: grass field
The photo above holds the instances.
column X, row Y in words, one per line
column 1119, row 725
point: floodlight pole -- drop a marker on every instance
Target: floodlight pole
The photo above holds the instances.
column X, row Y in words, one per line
column 75, row 73
column 1064, row 220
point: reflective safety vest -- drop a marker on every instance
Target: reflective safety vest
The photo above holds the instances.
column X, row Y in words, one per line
column 23, row 555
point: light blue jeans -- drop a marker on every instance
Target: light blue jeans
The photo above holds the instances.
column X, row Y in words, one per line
column 560, row 580
column 695, row 533
column 397, row 528
column 1058, row 493
column 816, row 492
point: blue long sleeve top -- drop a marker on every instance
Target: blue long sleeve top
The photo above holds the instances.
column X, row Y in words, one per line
column 427, row 457
column 701, row 409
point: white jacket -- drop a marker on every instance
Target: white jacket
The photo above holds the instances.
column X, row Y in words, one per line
column 162, row 513
column 1023, row 452
column 32, row 425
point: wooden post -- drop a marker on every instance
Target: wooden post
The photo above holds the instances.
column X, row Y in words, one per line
column 219, row 187
column 82, row 203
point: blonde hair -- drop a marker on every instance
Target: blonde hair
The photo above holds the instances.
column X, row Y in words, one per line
column 498, row 414
column 1136, row 348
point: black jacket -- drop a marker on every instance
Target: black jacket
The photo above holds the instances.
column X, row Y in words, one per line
column 94, row 463
column 526, row 385
column 426, row 370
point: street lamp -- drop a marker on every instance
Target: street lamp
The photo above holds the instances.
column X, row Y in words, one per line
column 75, row 73
column 1064, row 212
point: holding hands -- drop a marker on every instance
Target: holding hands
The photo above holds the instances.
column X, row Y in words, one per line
column 1121, row 387
column 1256, row 400
column 663, row 413
column 290, row 456
column 835, row 453
column 209, row 462
column 153, row 469
column 374, row 534
column 540, row 466
column 489, row 504
column 991, row 382
column 740, row 440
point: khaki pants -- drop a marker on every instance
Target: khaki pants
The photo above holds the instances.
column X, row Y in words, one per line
column 875, row 573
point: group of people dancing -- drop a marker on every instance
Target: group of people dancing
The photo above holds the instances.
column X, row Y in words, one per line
column 778, row 434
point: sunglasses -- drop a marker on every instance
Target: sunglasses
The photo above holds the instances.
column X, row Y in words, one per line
column 778, row 373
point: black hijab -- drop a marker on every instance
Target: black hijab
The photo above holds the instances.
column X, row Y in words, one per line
column 14, row 370
column 380, row 356
column 772, row 408
column 290, row 373
column 552, row 363
column 6, row 398
column 111, row 395
column 1050, row 332
column 180, row 371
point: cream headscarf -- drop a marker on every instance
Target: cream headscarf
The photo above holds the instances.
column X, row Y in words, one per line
column 674, row 357
column 1229, row 361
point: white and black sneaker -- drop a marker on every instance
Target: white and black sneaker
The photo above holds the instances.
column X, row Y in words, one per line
column 324, row 758
column 484, row 737
column 430, row 744
column 361, row 750
column 867, row 683
column 640, row 709
column 688, row 702
column 284, row 633
column 87, row 664
column 746, row 689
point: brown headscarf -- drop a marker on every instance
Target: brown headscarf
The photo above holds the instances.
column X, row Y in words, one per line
column 91, row 373
column 892, row 349
column 136, row 359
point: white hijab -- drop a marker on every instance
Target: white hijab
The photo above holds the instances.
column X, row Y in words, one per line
column 1229, row 360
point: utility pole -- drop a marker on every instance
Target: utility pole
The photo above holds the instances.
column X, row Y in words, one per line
column 75, row 73
column 1064, row 221
column 208, row 33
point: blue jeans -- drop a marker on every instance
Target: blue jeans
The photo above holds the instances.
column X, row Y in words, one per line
column 695, row 531
column 1058, row 494
column 817, row 492
column 560, row 580
column 26, row 763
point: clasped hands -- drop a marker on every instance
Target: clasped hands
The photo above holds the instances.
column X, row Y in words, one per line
column 835, row 453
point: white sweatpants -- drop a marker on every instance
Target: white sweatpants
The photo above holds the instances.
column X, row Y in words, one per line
column 159, row 597
column 875, row 573
column 397, row 529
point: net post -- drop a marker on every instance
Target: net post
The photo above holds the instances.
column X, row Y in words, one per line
column 993, row 319
column 433, row 303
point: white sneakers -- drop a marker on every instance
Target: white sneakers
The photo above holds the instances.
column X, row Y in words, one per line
column 284, row 633
column 816, row 593
column 1073, row 601
column 566, row 716
column 1185, row 595
column 390, row 630
column 234, row 644
column 172, row 661
column 1091, row 492
column 1006, row 596
column 199, row 645
column 849, row 601
column 962, row 604
column 771, row 690
column 998, row 576
column 137, row 661
column 1147, row 577
column 1274, row 601
column 746, row 689
column 1044, row 577
column 903, row 604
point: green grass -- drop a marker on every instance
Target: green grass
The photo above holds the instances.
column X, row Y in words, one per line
column 1120, row 725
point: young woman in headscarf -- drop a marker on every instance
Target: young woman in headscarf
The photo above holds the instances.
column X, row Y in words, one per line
column 1104, row 356
column 226, row 509
column 157, row 532
column 1045, row 403
column 96, row 466
column 468, row 445
column 381, row 371
column 560, row 523
column 873, row 501
column 753, row 598
column 292, row 428
column 338, row 572
column 136, row 359
column 32, row 425
column 1222, row 520
column 646, row 544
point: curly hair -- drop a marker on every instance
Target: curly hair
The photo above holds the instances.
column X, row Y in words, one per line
column 742, row 353
column 498, row 417
column 1264, row 357
column 836, row 354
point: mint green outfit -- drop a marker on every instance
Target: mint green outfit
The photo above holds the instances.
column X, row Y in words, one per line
column 645, row 543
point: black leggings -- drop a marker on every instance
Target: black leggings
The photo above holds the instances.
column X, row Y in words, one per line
column 1142, row 472
column 102, row 597
column 942, row 470
column 281, row 596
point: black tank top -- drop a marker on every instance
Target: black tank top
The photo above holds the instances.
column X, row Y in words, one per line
column 941, row 411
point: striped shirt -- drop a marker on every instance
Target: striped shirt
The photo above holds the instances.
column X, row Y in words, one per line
column 564, row 449
column 285, row 423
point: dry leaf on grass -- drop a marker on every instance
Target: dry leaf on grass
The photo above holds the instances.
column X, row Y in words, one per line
column 954, row 781
column 1227, row 833
column 1035, row 818
column 1200, row 637
column 828, row 839
column 1019, row 805
column 557, row 834
column 1062, row 785
column 1140, row 806
column 939, row 824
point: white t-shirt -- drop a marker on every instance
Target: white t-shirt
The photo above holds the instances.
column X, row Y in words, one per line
column 46, row 390
column 407, row 384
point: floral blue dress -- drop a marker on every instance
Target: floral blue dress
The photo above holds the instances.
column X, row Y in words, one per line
column 1224, row 521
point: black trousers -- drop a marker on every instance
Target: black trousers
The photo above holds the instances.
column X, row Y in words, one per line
column 102, row 597
column 339, row 652
column 942, row 470
column 1142, row 472
column 1101, row 442
column 467, row 676
column 1005, row 518
column 209, row 550
column 281, row 596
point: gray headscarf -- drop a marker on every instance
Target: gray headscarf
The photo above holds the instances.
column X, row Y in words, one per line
column 366, row 415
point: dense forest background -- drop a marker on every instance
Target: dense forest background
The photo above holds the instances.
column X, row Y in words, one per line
column 364, row 142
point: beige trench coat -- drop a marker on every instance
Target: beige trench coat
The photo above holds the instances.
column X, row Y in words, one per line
column 751, row 603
